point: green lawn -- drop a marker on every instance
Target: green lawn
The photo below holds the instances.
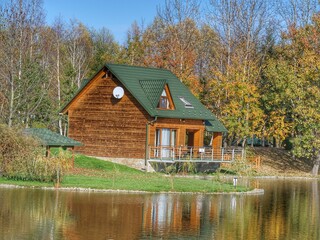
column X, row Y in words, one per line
column 98, row 174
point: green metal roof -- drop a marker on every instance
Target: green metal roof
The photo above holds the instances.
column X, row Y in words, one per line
column 153, row 90
column 140, row 80
column 214, row 126
column 49, row 138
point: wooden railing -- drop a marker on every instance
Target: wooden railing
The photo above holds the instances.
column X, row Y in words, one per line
column 190, row 153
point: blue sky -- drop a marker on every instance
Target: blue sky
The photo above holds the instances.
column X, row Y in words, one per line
column 116, row 15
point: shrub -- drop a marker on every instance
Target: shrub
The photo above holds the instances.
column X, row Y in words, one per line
column 21, row 157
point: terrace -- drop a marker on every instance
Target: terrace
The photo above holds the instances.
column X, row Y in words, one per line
column 193, row 154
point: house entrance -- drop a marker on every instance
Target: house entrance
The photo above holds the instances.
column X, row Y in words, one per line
column 190, row 137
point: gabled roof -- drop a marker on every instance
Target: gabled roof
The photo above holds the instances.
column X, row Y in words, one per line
column 135, row 80
column 147, row 84
column 51, row 139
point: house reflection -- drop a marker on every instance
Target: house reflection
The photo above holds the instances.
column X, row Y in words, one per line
column 167, row 213
column 100, row 216
column 287, row 210
column 131, row 216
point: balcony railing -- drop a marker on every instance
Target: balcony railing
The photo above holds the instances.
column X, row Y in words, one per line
column 190, row 153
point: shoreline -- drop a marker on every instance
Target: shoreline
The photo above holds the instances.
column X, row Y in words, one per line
column 255, row 191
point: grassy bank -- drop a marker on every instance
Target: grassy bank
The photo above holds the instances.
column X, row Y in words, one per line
column 98, row 174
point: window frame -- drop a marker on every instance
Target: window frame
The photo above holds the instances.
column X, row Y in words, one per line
column 168, row 99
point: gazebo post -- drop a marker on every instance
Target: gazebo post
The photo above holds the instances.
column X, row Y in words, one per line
column 72, row 149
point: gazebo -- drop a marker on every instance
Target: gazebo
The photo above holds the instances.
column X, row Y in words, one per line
column 51, row 139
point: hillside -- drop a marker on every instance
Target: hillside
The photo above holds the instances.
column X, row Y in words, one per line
column 276, row 161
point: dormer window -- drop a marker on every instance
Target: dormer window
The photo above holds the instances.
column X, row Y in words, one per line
column 165, row 101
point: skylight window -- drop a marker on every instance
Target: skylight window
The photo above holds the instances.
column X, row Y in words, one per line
column 186, row 103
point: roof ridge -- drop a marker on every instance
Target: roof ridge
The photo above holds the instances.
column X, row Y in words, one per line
column 135, row 66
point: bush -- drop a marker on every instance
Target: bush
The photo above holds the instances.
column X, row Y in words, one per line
column 21, row 157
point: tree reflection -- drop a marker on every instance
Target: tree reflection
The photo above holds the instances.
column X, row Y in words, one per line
column 287, row 210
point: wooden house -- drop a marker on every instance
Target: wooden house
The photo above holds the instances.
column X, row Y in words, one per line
column 139, row 113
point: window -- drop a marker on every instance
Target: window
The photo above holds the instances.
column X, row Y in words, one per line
column 166, row 137
column 186, row 103
column 165, row 141
column 165, row 101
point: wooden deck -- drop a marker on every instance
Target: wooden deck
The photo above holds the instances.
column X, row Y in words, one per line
column 193, row 154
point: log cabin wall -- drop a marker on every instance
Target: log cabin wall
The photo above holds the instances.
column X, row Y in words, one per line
column 182, row 126
column 108, row 127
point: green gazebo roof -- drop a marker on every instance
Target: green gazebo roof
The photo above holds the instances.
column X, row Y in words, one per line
column 51, row 139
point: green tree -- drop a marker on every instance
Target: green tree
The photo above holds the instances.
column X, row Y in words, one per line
column 293, row 91
column 105, row 49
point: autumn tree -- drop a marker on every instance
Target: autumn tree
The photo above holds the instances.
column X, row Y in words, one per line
column 241, row 27
column 172, row 39
column 133, row 51
column 78, row 46
column 296, row 12
column 294, row 88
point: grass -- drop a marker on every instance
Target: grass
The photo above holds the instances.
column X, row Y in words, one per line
column 98, row 174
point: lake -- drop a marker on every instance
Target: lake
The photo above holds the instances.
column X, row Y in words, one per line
column 289, row 209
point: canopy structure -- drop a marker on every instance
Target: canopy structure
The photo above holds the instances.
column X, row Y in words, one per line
column 214, row 126
column 50, row 139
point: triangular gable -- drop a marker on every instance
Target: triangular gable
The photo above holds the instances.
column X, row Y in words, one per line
column 153, row 90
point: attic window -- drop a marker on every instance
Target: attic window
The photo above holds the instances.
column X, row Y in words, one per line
column 186, row 103
column 165, row 101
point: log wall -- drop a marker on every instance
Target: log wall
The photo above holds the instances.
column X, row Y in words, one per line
column 182, row 126
column 109, row 127
column 106, row 126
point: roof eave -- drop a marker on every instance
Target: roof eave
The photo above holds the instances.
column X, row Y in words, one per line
column 65, row 108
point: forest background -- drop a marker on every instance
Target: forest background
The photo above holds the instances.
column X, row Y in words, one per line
column 253, row 63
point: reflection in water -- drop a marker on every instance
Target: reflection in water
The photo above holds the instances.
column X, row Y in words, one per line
column 287, row 210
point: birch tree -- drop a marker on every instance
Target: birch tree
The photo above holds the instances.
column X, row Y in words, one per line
column 79, row 51
column 241, row 26
column 21, row 22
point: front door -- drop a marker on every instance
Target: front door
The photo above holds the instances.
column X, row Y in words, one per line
column 189, row 138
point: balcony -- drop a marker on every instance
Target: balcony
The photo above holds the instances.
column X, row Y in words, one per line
column 193, row 154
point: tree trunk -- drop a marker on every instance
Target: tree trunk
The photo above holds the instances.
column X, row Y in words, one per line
column 244, row 142
column 316, row 164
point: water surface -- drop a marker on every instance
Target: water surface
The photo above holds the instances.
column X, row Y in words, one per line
column 289, row 209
